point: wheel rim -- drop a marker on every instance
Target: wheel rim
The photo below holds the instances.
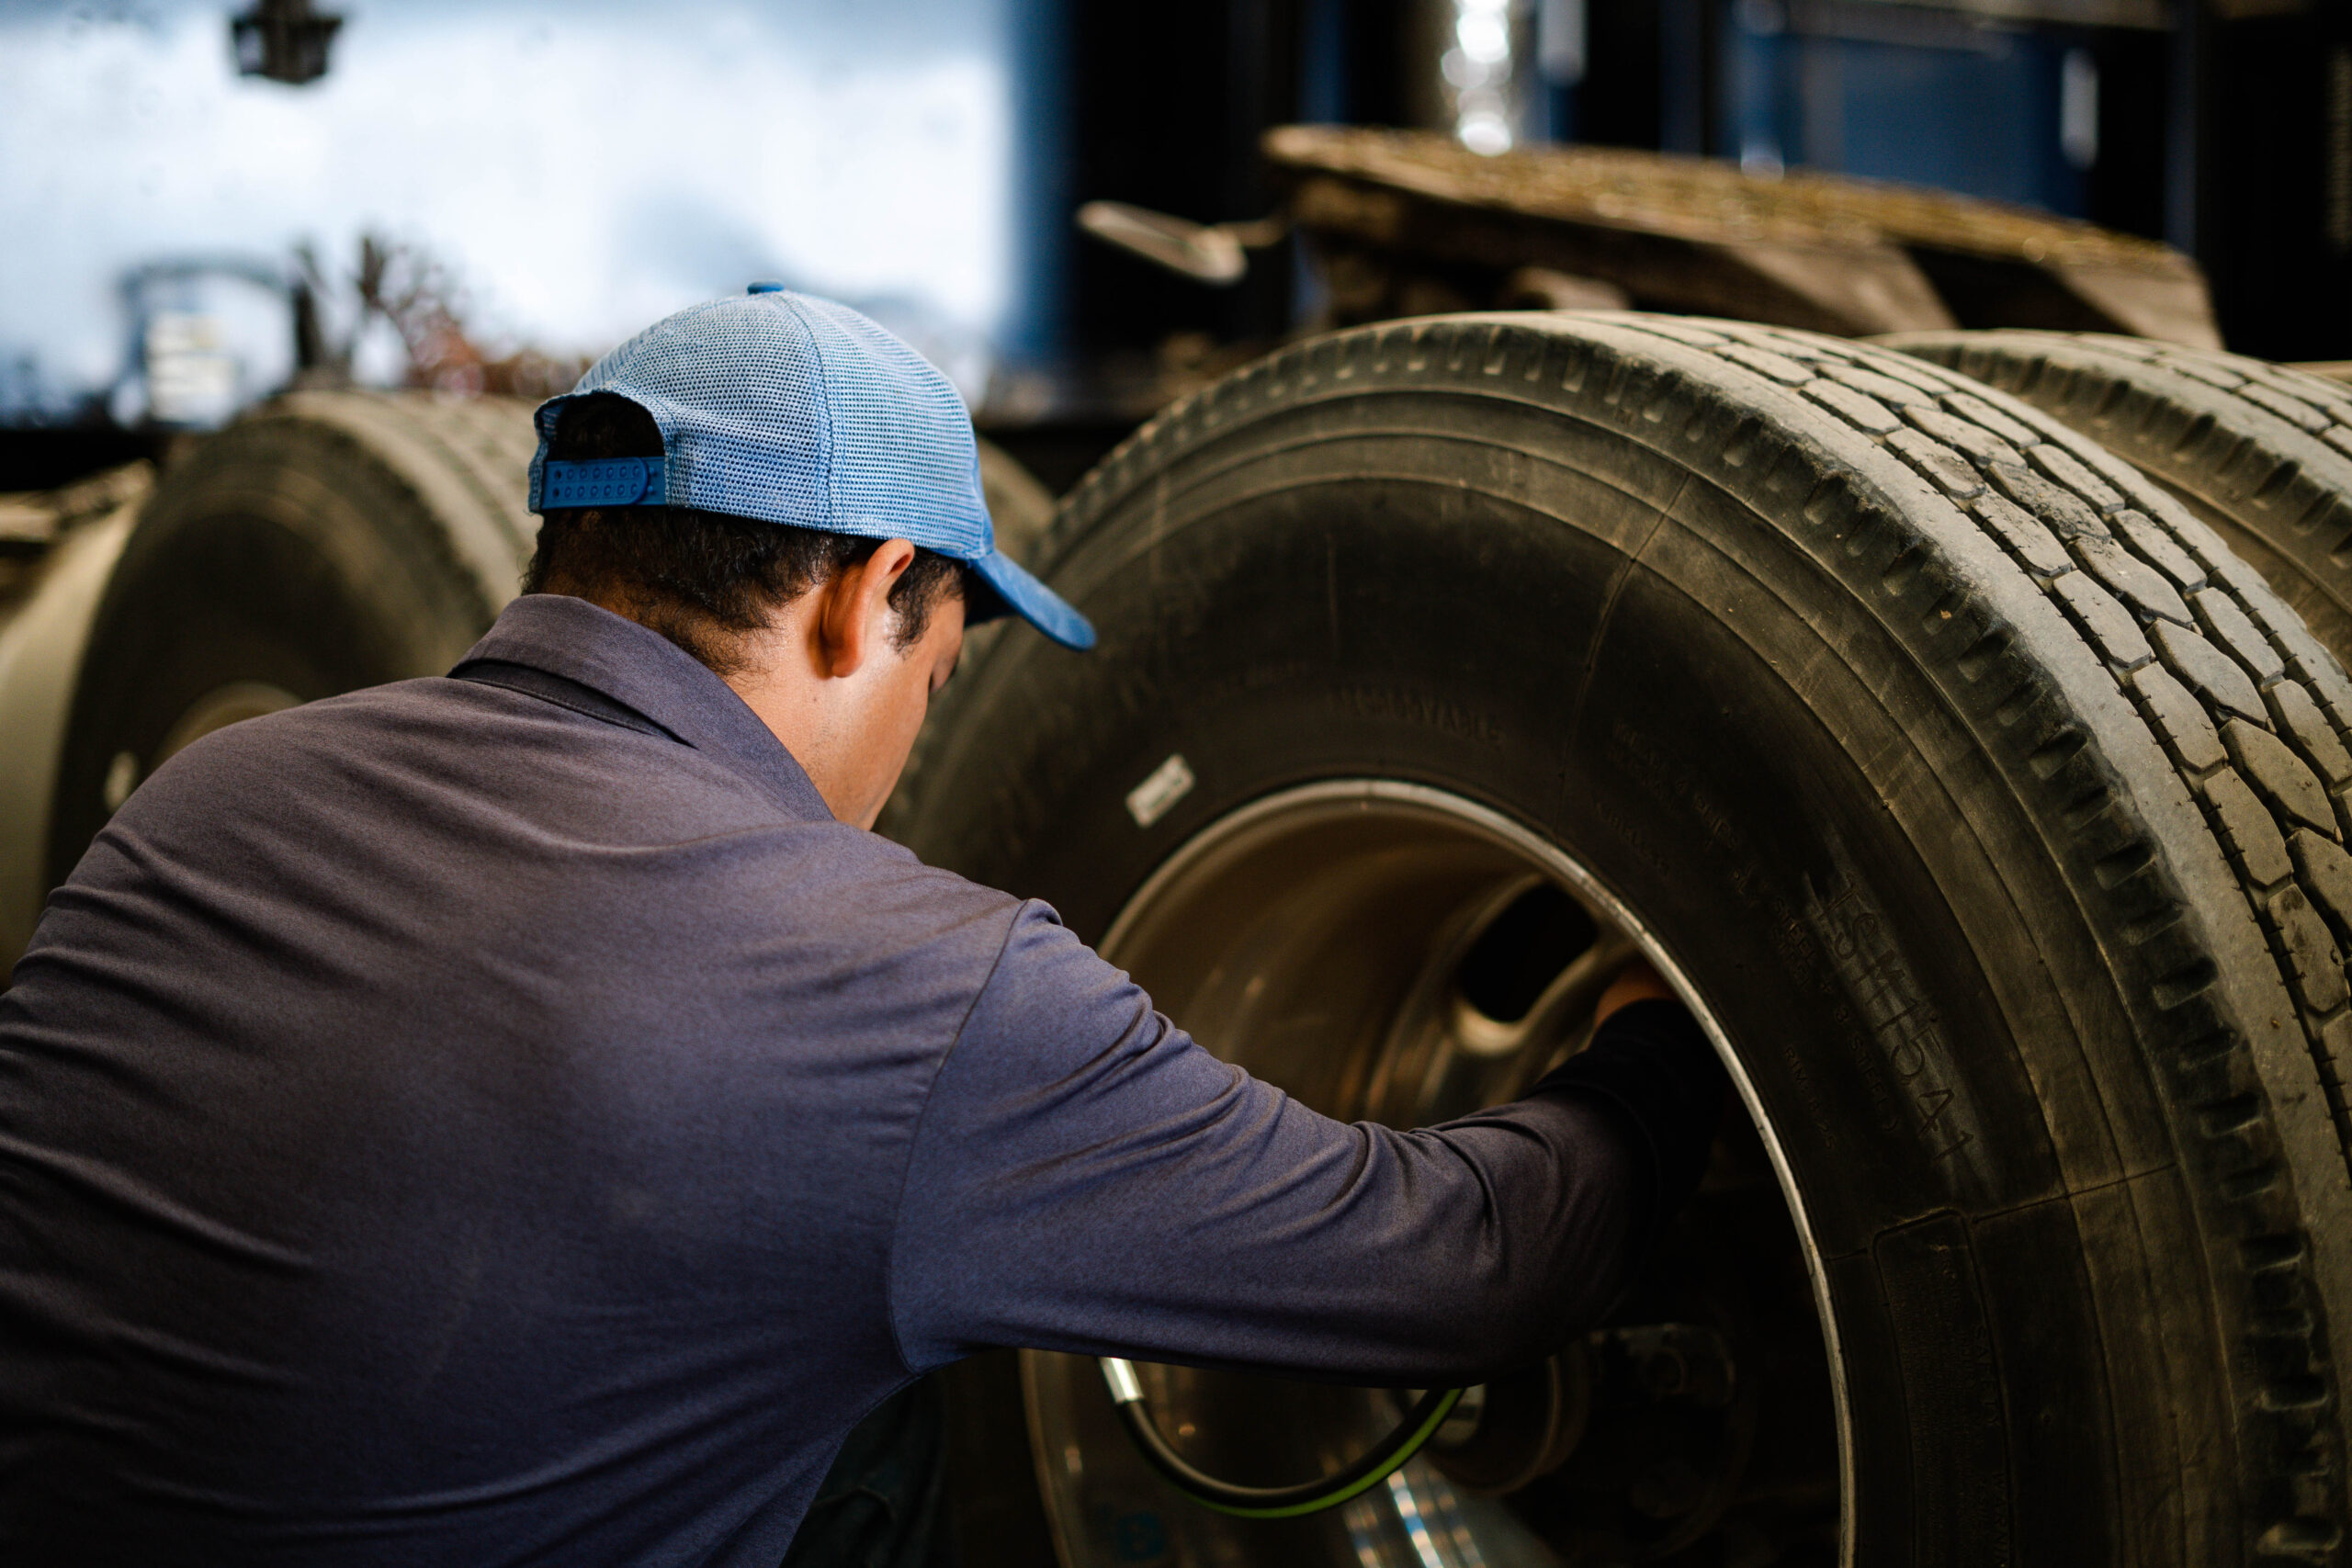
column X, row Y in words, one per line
column 217, row 709
column 1391, row 952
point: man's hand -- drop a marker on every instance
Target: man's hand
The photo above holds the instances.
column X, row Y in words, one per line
column 1637, row 982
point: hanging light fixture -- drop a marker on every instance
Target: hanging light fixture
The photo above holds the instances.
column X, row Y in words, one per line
column 283, row 40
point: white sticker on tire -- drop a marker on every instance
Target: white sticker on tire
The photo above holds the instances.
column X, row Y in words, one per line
column 1170, row 783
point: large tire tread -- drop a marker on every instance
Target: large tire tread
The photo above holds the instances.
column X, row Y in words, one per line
column 462, row 462
column 2262, row 451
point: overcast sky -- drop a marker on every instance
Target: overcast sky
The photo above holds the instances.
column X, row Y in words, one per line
column 585, row 166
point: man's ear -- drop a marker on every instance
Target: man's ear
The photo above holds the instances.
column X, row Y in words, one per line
column 854, row 615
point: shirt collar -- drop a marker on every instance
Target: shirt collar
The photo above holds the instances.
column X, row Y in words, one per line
column 645, row 671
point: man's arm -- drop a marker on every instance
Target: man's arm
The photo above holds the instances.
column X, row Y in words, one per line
column 1086, row 1178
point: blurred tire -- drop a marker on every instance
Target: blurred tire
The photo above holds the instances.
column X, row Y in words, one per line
column 1988, row 810
column 328, row 541
column 43, row 632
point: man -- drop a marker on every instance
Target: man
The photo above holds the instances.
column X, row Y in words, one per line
column 525, row 1116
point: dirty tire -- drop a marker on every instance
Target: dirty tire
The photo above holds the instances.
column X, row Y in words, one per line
column 2261, row 453
column 328, row 541
column 1992, row 807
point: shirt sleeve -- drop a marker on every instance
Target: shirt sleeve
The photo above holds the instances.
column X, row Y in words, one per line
column 1086, row 1178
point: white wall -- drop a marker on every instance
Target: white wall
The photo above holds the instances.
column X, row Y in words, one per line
column 585, row 167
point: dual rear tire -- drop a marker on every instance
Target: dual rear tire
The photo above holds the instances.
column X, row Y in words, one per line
column 1983, row 803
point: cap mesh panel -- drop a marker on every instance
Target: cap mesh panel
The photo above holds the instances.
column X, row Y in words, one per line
column 796, row 410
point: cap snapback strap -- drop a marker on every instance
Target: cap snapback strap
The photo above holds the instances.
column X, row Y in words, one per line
column 603, row 481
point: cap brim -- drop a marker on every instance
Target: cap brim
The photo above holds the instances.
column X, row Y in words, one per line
column 1033, row 602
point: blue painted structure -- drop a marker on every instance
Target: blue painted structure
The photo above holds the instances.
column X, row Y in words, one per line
column 1930, row 99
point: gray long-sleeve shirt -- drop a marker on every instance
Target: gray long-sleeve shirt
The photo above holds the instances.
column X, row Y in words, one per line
column 507, row 1119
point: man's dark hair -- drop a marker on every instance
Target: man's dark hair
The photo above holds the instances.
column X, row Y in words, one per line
column 701, row 579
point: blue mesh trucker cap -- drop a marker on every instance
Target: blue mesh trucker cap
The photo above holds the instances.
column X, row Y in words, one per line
column 790, row 408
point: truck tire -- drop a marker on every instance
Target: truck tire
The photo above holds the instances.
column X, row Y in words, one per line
column 1985, row 807
column 2262, row 454
column 328, row 541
